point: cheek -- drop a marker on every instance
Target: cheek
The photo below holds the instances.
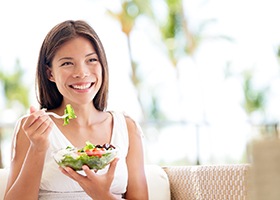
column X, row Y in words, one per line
column 60, row 80
column 98, row 71
column 60, row 75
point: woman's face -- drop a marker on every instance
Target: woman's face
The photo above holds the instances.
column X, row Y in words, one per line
column 76, row 70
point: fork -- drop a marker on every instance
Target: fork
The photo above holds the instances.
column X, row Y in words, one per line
column 52, row 114
column 56, row 115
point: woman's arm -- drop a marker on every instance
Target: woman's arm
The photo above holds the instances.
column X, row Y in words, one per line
column 137, row 184
column 27, row 163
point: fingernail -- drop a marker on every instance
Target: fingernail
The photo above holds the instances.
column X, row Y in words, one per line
column 85, row 167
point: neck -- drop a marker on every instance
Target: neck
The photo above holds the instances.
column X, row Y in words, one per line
column 86, row 114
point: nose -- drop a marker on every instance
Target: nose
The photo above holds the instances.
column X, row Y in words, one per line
column 81, row 71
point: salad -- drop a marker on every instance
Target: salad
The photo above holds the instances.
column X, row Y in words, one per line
column 69, row 111
column 94, row 156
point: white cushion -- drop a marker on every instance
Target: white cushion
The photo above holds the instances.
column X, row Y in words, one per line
column 3, row 181
column 158, row 183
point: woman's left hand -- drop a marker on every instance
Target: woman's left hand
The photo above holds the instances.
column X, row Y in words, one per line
column 95, row 185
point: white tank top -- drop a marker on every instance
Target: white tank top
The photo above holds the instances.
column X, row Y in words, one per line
column 56, row 185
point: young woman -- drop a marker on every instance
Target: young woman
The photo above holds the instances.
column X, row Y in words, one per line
column 72, row 69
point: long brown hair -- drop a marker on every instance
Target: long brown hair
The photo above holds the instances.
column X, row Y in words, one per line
column 48, row 95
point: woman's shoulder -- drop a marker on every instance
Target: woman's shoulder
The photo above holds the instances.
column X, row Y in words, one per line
column 133, row 126
column 124, row 116
column 129, row 121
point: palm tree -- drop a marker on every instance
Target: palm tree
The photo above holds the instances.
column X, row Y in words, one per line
column 181, row 41
column 131, row 10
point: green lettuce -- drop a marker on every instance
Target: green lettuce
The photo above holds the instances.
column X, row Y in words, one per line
column 71, row 114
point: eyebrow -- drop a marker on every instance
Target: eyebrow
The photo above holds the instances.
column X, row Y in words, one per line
column 91, row 54
column 70, row 58
column 65, row 58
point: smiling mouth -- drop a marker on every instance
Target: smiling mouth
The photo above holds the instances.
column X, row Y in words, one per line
column 82, row 87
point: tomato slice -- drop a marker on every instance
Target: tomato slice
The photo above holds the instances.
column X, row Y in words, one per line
column 98, row 152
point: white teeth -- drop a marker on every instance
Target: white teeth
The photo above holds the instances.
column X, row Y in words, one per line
column 81, row 87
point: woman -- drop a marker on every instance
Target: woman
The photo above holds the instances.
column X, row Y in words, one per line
column 72, row 69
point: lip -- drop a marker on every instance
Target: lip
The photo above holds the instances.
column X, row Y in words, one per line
column 82, row 87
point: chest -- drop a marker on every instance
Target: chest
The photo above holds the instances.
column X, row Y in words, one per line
column 95, row 133
column 118, row 134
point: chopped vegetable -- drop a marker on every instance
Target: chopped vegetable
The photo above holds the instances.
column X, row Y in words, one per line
column 71, row 114
column 94, row 156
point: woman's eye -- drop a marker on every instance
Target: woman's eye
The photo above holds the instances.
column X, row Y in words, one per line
column 93, row 60
column 66, row 64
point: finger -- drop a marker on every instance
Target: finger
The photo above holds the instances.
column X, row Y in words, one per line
column 88, row 172
column 33, row 118
column 45, row 130
column 68, row 171
column 44, row 125
column 111, row 170
column 32, row 109
column 38, row 126
column 49, row 128
column 65, row 172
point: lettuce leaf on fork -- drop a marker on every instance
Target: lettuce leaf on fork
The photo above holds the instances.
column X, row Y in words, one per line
column 71, row 114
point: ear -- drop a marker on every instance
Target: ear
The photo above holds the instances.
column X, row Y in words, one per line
column 49, row 74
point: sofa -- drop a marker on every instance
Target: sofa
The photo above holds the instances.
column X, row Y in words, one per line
column 203, row 182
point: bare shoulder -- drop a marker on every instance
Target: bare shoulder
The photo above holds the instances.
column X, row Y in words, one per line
column 130, row 122
column 132, row 126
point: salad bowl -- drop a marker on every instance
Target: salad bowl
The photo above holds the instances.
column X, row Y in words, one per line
column 94, row 156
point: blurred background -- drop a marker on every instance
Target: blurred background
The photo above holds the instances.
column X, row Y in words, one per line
column 200, row 76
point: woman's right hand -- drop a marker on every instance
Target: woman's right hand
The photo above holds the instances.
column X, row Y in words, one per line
column 37, row 127
column 95, row 185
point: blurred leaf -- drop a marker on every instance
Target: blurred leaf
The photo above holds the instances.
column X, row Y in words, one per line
column 131, row 9
column 14, row 89
column 254, row 99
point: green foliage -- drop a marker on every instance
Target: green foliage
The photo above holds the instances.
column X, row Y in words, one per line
column 254, row 99
column 155, row 112
column 174, row 19
column 131, row 10
column 14, row 89
column 179, row 37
